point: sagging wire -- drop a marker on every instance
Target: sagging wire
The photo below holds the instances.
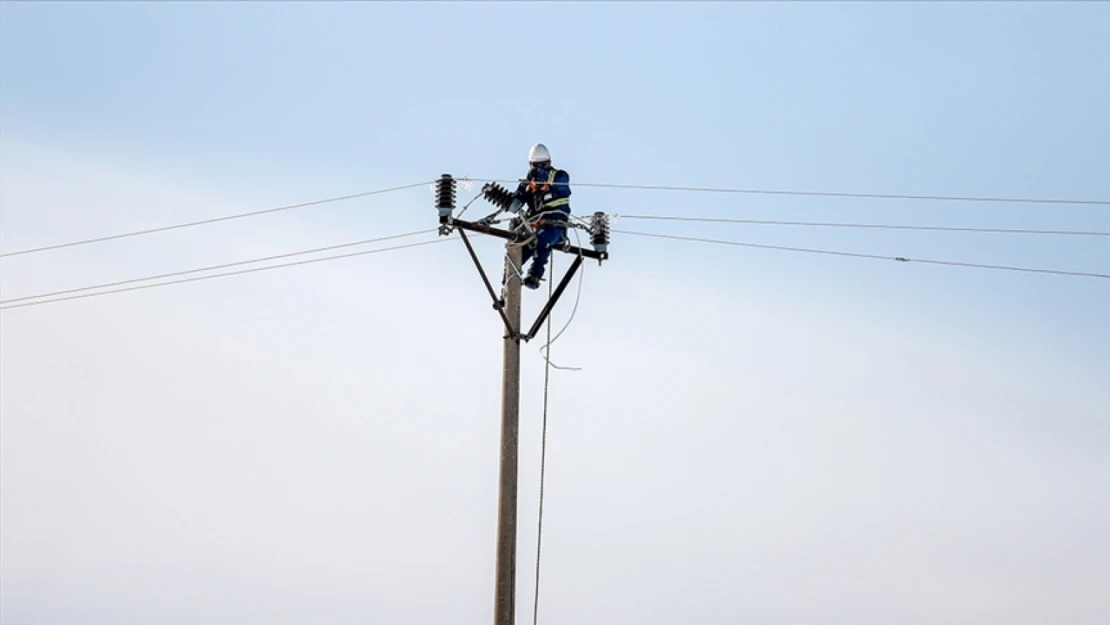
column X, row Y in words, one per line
column 528, row 225
column 822, row 224
column 211, row 220
column 545, row 349
column 543, row 443
column 464, row 183
column 221, row 275
column 791, row 192
column 518, row 272
column 467, row 205
column 543, row 466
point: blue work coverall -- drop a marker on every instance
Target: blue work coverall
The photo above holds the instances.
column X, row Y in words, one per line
column 546, row 193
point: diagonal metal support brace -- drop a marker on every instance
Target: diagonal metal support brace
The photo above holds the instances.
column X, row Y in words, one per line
column 497, row 303
column 554, row 298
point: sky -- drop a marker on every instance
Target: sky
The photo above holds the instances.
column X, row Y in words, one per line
column 754, row 436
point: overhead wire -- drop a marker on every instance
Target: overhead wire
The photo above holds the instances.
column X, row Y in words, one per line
column 820, row 224
column 474, row 199
column 215, row 267
column 212, row 220
column 868, row 256
column 787, row 192
column 10, row 303
column 221, row 275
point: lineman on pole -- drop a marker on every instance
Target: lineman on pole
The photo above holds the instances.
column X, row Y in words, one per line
column 545, row 193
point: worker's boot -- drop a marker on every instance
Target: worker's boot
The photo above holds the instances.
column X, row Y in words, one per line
column 532, row 281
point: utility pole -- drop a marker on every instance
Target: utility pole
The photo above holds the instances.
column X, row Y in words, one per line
column 505, row 598
column 509, row 308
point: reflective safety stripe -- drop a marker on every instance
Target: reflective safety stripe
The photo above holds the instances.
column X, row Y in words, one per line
column 553, row 203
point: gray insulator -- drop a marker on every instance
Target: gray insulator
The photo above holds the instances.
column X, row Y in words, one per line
column 445, row 196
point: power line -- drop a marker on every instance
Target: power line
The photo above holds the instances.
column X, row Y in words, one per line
column 886, row 196
column 213, row 267
column 229, row 273
column 579, row 184
column 875, row 226
column 212, row 220
column 870, row 256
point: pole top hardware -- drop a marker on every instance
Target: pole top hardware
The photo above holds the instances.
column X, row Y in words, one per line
column 597, row 227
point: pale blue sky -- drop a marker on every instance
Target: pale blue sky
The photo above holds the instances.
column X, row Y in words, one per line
column 948, row 98
column 864, row 429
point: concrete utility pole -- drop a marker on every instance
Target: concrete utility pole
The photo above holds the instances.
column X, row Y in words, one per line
column 508, row 307
column 505, row 601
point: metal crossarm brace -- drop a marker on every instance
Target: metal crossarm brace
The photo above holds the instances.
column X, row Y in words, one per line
column 497, row 303
column 554, row 298
column 510, row 236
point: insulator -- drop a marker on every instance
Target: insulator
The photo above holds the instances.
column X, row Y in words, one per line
column 445, row 197
column 599, row 232
column 497, row 195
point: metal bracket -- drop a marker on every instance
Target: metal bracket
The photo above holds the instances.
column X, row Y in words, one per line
column 498, row 305
column 554, row 298
column 511, row 235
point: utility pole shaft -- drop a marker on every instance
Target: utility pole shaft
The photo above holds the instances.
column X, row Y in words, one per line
column 508, row 308
column 505, row 601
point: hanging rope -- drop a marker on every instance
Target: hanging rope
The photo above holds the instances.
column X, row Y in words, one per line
column 545, row 350
column 543, row 458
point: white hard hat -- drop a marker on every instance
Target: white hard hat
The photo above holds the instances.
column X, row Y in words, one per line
column 539, row 154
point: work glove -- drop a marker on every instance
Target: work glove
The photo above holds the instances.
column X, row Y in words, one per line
column 516, row 206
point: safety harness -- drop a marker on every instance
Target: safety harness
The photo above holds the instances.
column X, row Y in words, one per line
column 547, row 203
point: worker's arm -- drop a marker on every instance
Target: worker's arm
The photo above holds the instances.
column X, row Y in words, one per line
column 525, row 193
column 519, row 196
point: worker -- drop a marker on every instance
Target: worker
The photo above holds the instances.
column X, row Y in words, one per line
column 546, row 194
